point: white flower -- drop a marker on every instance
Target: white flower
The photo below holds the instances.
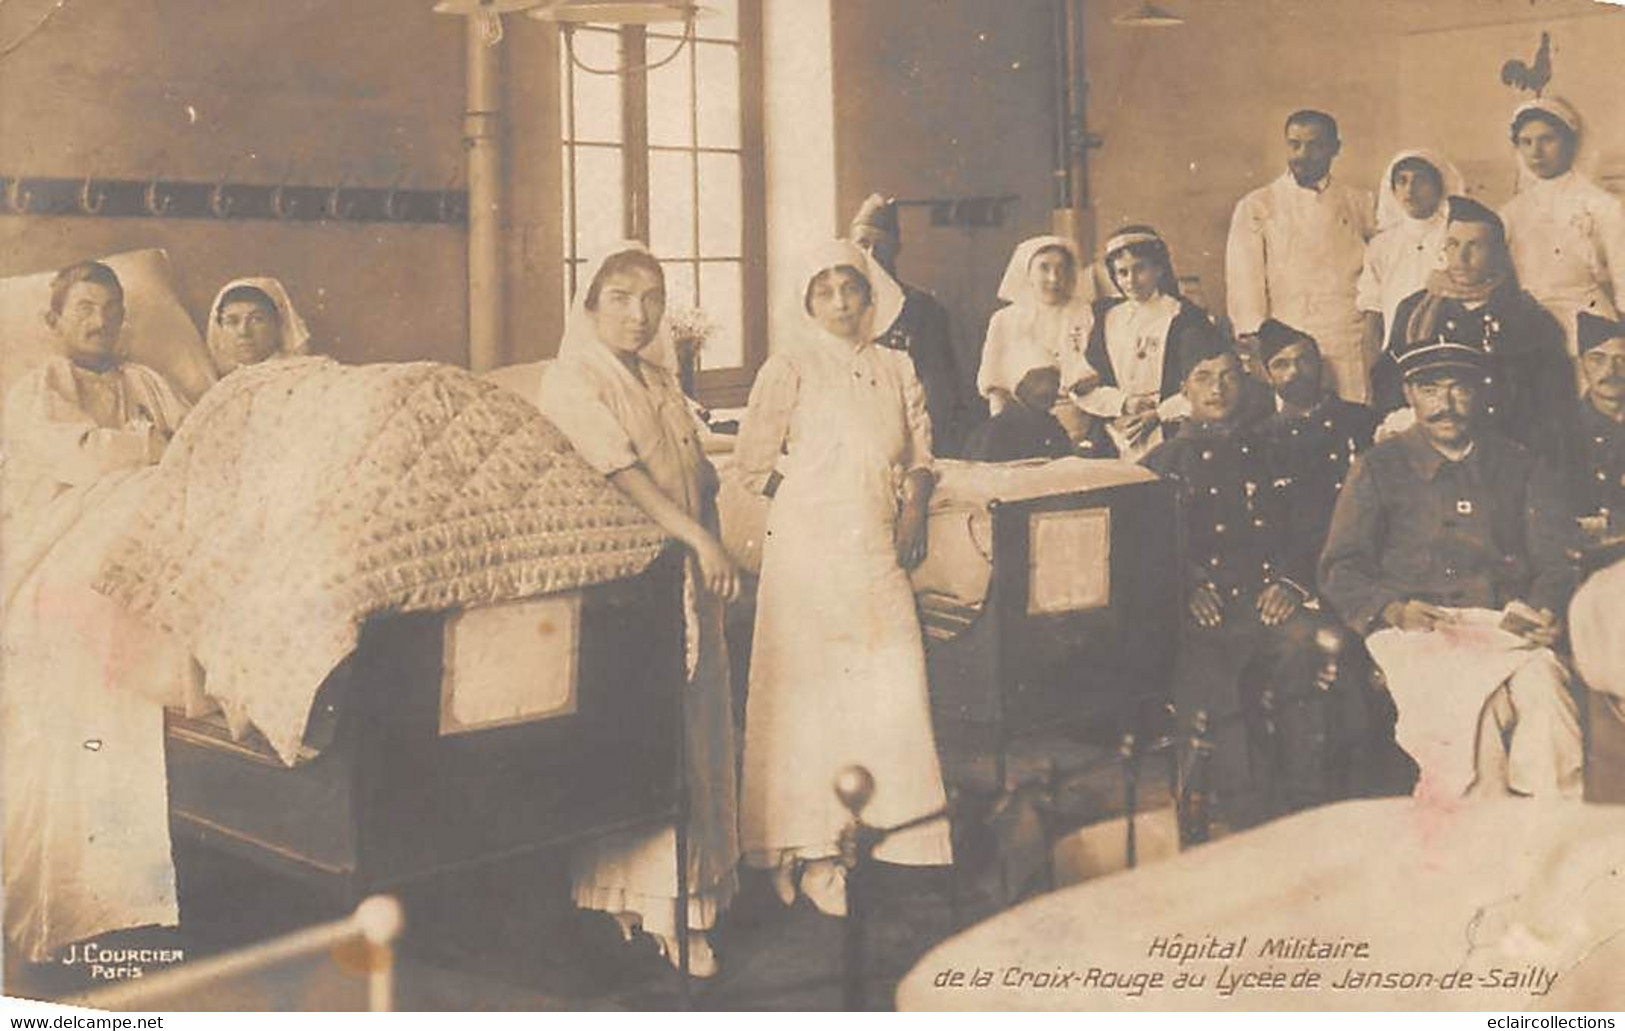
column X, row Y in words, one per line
column 690, row 326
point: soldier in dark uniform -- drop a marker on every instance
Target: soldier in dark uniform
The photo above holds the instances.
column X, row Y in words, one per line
column 1597, row 462
column 1528, row 390
column 921, row 328
column 1312, row 437
column 1247, row 630
column 1448, row 550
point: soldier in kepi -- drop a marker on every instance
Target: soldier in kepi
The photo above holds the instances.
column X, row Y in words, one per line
column 1597, row 459
column 1448, row 548
column 1247, row 656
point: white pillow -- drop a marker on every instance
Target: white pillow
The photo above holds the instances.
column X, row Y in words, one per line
column 157, row 331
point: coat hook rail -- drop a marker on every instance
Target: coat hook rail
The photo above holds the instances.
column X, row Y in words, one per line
column 93, row 197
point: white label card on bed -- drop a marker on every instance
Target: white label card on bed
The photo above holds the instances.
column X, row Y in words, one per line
column 510, row 663
column 1069, row 557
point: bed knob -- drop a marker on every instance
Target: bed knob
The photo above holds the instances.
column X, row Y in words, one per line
column 380, row 919
column 854, row 786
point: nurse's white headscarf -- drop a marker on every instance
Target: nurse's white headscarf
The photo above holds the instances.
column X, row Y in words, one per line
column 581, row 326
column 1018, row 289
column 885, row 296
column 1390, row 212
column 295, row 335
column 1562, row 111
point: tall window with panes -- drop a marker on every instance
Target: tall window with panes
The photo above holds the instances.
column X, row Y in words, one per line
column 667, row 149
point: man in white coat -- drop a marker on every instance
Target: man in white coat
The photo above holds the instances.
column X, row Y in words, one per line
column 1295, row 252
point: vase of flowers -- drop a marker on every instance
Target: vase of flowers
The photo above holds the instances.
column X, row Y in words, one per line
column 690, row 328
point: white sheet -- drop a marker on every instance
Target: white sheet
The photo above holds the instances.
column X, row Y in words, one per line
column 82, row 690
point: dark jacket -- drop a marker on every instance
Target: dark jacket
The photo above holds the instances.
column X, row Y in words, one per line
column 1309, row 459
column 1480, row 532
column 1597, row 466
column 1529, row 389
column 1016, row 433
column 921, row 330
column 1231, row 519
column 1191, row 337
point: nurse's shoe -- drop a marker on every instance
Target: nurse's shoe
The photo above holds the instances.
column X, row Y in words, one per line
column 824, row 884
column 702, row 962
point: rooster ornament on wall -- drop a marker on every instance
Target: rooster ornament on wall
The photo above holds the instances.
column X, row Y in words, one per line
column 1534, row 76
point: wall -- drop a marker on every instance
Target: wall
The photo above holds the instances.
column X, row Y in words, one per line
column 309, row 90
column 948, row 98
column 1192, row 116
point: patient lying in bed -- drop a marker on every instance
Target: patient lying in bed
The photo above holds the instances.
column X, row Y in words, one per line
column 84, row 681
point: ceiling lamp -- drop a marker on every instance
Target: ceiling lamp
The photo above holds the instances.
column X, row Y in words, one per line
column 1148, row 16
column 568, row 14
column 618, row 12
column 487, row 14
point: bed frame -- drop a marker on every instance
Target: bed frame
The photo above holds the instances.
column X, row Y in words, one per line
column 389, row 799
column 1007, row 669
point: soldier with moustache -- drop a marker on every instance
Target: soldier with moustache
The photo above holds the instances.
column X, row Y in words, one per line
column 1246, row 628
column 1449, row 550
column 1312, row 437
column 1597, row 466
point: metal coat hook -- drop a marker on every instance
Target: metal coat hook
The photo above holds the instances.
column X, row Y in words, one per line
column 157, row 202
column 91, row 197
column 336, row 206
column 394, row 210
column 448, row 200
column 18, row 197
column 221, row 202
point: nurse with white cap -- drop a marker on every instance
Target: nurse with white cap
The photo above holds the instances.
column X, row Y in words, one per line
column 1566, row 233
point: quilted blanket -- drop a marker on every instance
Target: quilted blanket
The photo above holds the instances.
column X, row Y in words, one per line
column 302, row 496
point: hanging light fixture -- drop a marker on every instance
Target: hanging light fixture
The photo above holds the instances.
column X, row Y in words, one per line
column 486, row 13
column 1148, row 16
column 618, row 12
column 567, row 14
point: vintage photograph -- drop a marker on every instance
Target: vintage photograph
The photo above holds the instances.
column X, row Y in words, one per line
column 768, row 505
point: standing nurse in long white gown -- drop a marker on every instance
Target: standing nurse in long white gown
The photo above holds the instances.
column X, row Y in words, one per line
column 612, row 391
column 1566, row 233
column 837, row 434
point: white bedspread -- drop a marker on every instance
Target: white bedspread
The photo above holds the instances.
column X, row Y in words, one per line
column 1500, row 905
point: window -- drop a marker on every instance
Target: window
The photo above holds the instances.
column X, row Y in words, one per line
column 670, row 153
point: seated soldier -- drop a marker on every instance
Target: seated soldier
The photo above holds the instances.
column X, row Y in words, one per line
column 1448, row 548
column 1313, row 436
column 1246, row 657
column 1597, row 461
column 86, row 412
column 1025, row 429
column 1528, row 392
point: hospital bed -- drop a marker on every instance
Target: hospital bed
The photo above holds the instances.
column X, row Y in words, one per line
column 399, row 789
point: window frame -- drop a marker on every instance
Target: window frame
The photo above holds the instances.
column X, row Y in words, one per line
column 716, row 388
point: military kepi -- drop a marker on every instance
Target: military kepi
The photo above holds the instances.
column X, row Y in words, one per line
column 1594, row 329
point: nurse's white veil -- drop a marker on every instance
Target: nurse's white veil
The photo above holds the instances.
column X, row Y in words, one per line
column 581, row 328
column 886, row 297
column 295, row 335
column 1390, row 212
column 1564, row 112
column 1016, row 288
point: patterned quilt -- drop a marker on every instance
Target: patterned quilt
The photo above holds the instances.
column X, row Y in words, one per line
column 302, row 496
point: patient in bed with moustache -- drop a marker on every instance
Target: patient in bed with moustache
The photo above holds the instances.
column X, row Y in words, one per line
column 81, row 434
